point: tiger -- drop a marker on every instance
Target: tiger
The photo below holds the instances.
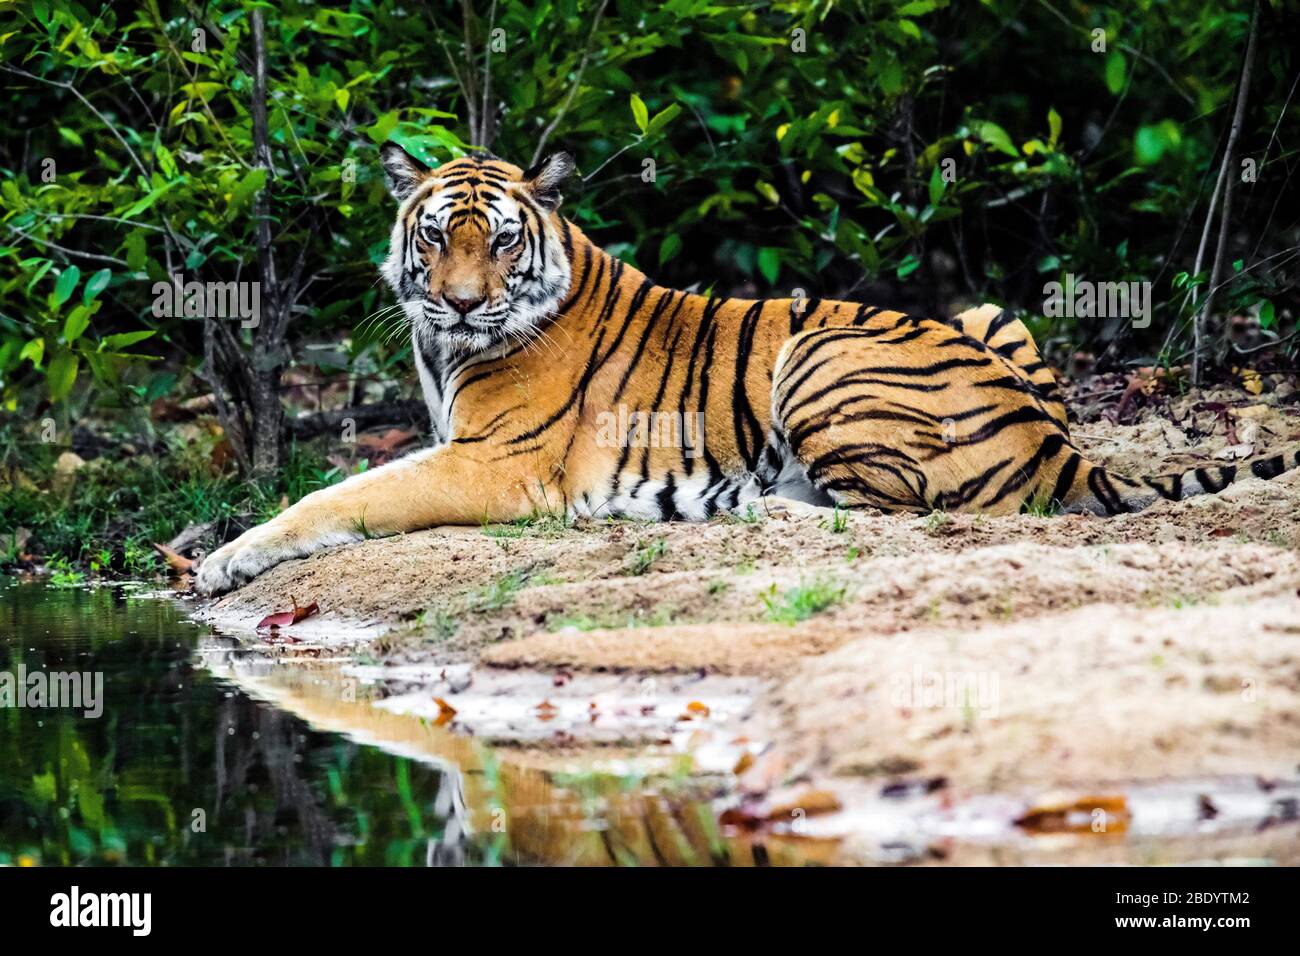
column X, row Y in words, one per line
column 550, row 366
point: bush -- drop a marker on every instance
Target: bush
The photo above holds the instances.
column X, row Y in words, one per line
column 910, row 152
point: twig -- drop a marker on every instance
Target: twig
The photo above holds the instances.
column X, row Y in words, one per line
column 362, row 416
column 1132, row 51
column 471, row 93
column 94, row 257
column 1263, row 162
column 487, row 115
column 612, row 156
column 1229, row 157
column 573, row 90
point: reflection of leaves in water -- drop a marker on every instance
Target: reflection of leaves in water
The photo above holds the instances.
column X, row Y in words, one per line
column 174, row 740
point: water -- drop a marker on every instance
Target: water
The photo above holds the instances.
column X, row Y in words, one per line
column 182, row 768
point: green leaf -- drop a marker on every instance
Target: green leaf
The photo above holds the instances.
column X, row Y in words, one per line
column 123, row 340
column 76, row 323
column 95, row 285
column 138, row 207
column 663, row 118
column 34, row 350
column 669, row 247
column 1151, row 142
column 1267, row 314
column 63, row 288
column 247, row 187
column 62, row 375
column 382, row 127
column 991, row 134
column 640, row 114
column 135, row 254
column 769, row 263
column 1116, row 72
column 159, row 386
column 1054, row 126
column 909, row 265
column 937, row 185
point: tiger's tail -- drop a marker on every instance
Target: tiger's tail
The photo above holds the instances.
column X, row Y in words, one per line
column 1084, row 487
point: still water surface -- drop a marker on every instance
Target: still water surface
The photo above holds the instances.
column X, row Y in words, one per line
column 181, row 767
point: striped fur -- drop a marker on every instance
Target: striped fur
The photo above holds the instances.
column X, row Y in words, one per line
column 560, row 379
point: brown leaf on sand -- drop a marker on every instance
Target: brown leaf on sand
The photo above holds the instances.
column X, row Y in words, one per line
column 695, row 709
column 285, row 618
column 445, row 712
column 175, row 560
column 806, row 804
column 546, row 710
column 1056, row 814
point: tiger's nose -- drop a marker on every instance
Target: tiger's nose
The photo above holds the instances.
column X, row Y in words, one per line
column 463, row 306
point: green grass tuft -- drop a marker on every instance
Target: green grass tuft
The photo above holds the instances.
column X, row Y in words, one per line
column 803, row 601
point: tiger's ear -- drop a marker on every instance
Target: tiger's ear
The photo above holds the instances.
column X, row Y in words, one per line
column 544, row 179
column 402, row 171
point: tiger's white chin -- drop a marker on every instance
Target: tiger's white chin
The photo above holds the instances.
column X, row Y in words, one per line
column 471, row 335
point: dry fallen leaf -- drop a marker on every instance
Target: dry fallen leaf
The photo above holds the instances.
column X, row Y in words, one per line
column 808, row 803
column 1077, row 815
column 285, row 618
column 445, row 712
column 175, row 560
column 379, row 448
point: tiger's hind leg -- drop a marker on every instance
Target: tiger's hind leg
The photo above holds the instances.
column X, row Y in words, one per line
column 914, row 418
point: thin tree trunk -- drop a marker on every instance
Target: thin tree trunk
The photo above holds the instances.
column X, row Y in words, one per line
column 268, row 414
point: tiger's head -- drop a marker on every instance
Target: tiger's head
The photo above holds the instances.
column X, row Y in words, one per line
column 477, row 256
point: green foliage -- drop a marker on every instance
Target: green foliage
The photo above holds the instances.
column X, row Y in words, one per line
column 802, row 601
column 914, row 152
column 500, row 591
column 105, row 517
column 646, row 554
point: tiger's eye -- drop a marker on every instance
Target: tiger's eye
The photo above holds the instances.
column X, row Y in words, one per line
column 505, row 241
column 431, row 234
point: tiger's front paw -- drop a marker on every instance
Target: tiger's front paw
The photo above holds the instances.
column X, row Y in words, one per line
column 243, row 559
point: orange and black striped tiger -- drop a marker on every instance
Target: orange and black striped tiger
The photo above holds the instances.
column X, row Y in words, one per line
column 559, row 378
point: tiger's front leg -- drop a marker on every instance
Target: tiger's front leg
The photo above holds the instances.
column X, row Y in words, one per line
column 443, row 485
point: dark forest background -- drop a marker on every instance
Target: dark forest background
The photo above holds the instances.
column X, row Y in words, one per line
column 921, row 154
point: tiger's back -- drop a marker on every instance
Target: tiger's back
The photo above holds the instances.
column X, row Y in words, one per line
column 678, row 405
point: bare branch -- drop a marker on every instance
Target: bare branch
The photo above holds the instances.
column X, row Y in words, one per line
column 412, row 411
column 1229, row 177
column 573, row 90
column 471, row 91
column 487, row 115
column 92, row 256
